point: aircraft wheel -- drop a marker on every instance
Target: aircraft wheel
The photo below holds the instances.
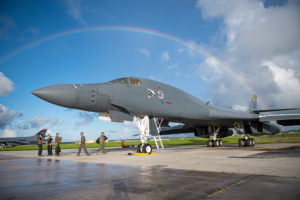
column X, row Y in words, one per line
column 221, row 143
column 241, row 142
column 147, row 148
column 253, row 142
column 209, row 143
column 248, row 142
column 216, row 143
column 139, row 148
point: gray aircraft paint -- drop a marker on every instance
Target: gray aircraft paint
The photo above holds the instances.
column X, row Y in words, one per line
column 123, row 100
column 16, row 141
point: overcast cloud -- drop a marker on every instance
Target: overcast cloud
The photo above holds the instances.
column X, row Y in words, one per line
column 262, row 46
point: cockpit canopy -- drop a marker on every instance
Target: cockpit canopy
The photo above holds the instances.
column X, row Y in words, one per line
column 132, row 81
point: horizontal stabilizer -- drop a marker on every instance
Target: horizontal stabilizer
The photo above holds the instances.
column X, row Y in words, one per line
column 282, row 119
column 272, row 110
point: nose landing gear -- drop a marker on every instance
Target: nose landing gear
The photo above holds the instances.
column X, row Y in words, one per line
column 143, row 125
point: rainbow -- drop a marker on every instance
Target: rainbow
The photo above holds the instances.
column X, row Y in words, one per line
column 144, row 31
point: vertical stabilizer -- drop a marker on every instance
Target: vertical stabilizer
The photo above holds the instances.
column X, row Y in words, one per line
column 41, row 132
column 253, row 104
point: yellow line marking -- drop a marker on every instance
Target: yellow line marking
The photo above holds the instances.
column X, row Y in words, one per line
column 144, row 154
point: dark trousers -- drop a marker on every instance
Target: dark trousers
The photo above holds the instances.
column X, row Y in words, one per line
column 49, row 150
column 57, row 149
column 40, row 149
column 84, row 148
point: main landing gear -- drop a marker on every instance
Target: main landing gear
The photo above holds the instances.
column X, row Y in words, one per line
column 246, row 142
column 143, row 125
column 214, row 142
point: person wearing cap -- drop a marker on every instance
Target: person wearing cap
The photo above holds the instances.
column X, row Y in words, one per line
column 49, row 144
column 82, row 145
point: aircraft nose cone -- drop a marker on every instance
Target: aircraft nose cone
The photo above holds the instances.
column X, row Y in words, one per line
column 62, row 95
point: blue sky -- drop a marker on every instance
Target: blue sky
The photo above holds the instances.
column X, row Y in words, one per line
column 99, row 56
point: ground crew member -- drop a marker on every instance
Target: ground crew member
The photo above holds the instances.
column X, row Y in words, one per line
column 102, row 139
column 49, row 145
column 82, row 145
column 40, row 145
column 57, row 144
column 102, row 142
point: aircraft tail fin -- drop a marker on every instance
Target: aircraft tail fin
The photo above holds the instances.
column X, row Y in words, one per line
column 253, row 107
column 253, row 104
column 41, row 132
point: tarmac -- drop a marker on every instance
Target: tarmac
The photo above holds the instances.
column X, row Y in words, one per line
column 267, row 171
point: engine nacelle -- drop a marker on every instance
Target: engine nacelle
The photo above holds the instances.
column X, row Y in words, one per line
column 225, row 132
column 260, row 128
column 201, row 131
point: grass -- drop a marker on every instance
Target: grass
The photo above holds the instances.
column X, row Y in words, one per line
column 290, row 137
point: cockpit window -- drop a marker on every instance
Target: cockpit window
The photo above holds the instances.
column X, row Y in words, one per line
column 121, row 81
column 133, row 81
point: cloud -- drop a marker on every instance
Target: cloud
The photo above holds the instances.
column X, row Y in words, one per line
column 145, row 52
column 74, row 8
column 287, row 83
column 165, row 57
column 209, row 70
column 128, row 132
column 6, row 85
column 262, row 46
column 86, row 118
column 240, row 107
column 172, row 66
column 40, row 122
column 8, row 133
column 7, row 116
column 6, row 25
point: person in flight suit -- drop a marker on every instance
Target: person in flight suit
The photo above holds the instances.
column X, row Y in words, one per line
column 101, row 140
column 57, row 144
column 82, row 145
column 40, row 145
column 49, row 145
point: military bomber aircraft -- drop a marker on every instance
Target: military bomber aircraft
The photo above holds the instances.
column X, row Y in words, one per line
column 17, row 141
column 153, row 105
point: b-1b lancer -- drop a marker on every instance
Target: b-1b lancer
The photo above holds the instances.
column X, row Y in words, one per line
column 16, row 141
column 153, row 105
